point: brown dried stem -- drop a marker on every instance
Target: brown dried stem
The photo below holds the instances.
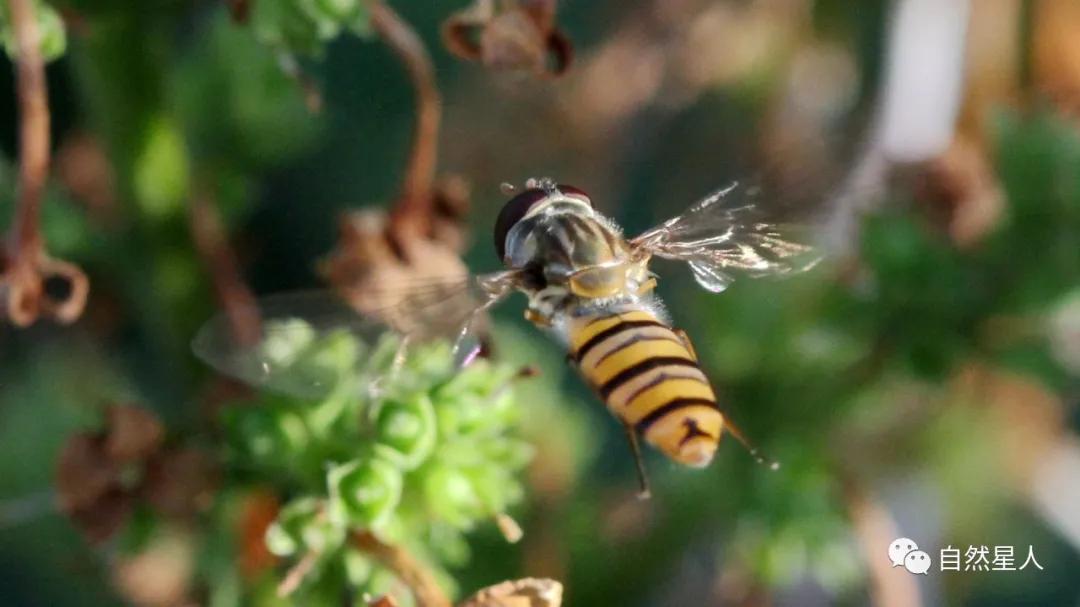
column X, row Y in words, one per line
column 26, row 263
column 236, row 299
column 407, row 568
column 875, row 528
column 412, row 213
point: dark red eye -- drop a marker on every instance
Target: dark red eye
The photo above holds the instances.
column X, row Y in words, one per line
column 511, row 213
column 573, row 192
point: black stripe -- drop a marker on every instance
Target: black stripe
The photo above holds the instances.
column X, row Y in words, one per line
column 633, row 371
column 615, row 329
column 663, row 377
column 638, row 337
column 663, row 410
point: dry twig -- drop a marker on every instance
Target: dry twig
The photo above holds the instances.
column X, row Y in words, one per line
column 408, row 569
column 412, row 213
column 235, row 297
column 33, row 283
column 875, row 528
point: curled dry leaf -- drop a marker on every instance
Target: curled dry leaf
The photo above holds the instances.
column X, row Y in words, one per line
column 368, row 258
column 132, row 433
column 962, row 193
column 83, row 472
column 371, row 257
column 527, row 592
column 510, row 35
column 101, row 475
column 180, row 483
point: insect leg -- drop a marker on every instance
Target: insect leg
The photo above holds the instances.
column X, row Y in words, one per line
column 643, row 479
column 647, row 286
column 738, row 435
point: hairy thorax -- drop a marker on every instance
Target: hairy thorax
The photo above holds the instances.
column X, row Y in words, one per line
column 576, row 263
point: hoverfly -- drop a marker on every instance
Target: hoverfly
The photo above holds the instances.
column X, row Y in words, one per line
column 591, row 288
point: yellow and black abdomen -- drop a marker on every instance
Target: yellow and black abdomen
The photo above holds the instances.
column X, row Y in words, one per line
column 650, row 379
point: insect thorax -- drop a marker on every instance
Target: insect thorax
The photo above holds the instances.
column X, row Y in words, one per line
column 575, row 261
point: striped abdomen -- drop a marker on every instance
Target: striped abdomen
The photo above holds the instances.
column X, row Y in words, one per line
column 650, row 380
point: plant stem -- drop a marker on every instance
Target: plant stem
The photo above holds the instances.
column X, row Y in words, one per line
column 237, row 301
column 412, row 213
column 25, row 242
column 407, row 568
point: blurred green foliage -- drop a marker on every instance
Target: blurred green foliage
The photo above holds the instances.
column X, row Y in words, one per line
column 418, row 454
column 843, row 376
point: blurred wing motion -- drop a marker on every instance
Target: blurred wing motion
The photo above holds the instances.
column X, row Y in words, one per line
column 723, row 235
column 295, row 323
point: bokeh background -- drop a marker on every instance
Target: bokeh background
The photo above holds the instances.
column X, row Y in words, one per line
column 921, row 382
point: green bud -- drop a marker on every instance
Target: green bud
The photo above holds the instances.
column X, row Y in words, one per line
column 364, row 492
column 449, row 544
column 303, row 524
column 510, row 453
column 328, row 360
column 284, row 25
column 52, row 37
column 451, row 497
column 161, row 171
column 495, row 487
column 358, row 568
column 285, row 340
column 407, row 429
column 268, row 433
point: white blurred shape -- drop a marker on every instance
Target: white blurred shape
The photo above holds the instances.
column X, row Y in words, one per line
column 924, row 78
column 1055, row 489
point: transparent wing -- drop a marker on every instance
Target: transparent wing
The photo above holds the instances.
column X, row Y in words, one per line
column 727, row 234
column 309, row 338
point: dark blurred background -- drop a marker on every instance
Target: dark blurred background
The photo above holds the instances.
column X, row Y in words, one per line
column 921, row 382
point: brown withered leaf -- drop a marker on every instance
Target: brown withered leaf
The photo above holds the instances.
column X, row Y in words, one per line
column 510, row 35
column 84, row 472
column 132, row 433
column 103, row 518
column 99, row 476
column 375, row 272
column 527, row 592
column 180, row 483
column 962, row 193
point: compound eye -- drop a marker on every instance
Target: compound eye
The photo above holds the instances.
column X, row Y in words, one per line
column 577, row 193
column 511, row 213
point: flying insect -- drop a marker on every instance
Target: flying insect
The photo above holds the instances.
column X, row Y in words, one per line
column 592, row 288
